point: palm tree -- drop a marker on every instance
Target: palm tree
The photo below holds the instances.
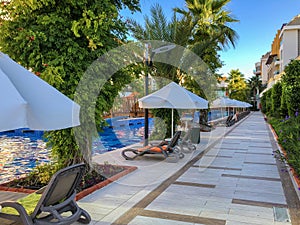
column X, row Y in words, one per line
column 193, row 29
column 210, row 23
column 255, row 85
column 237, row 85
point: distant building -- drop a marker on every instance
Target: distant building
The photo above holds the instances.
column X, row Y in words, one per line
column 284, row 48
column 290, row 42
column 222, row 87
column 257, row 70
column 264, row 68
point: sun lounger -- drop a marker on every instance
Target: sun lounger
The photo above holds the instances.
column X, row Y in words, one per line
column 230, row 121
column 168, row 150
column 46, row 206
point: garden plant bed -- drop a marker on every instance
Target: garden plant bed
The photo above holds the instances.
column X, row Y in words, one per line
column 283, row 156
column 91, row 183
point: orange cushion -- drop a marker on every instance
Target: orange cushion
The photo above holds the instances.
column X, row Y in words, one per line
column 153, row 148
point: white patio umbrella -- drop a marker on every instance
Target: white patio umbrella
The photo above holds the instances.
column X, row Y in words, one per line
column 223, row 102
column 173, row 96
column 26, row 101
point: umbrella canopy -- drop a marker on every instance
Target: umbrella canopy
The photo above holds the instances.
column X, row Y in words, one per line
column 173, row 96
column 223, row 102
column 26, row 101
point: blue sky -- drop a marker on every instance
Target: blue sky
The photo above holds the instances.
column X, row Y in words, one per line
column 259, row 22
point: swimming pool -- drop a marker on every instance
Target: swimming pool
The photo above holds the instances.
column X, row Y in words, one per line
column 19, row 155
column 120, row 132
column 22, row 150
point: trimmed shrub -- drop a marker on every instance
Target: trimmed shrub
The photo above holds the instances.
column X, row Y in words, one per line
column 276, row 99
column 291, row 80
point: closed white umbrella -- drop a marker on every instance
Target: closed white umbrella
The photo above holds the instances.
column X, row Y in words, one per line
column 26, row 101
column 173, row 96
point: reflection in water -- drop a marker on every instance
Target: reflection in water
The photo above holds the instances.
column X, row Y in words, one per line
column 19, row 155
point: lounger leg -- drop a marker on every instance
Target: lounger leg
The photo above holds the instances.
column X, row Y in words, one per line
column 132, row 151
column 85, row 217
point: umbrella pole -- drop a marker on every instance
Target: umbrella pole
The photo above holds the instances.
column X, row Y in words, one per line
column 172, row 130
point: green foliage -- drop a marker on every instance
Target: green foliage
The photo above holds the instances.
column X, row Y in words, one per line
column 268, row 101
column 166, row 116
column 263, row 102
column 283, row 101
column 254, row 87
column 291, row 79
column 44, row 172
column 190, row 30
column 59, row 40
column 288, row 131
column 39, row 177
column 237, row 85
column 276, row 99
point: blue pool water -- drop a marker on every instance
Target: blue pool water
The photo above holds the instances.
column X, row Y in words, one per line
column 216, row 114
column 22, row 150
column 119, row 133
column 19, row 155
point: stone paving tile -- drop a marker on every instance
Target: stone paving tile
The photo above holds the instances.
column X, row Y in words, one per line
column 261, row 197
column 247, row 219
column 230, row 222
column 150, row 221
column 241, row 155
column 262, row 173
column 252, row 212
column 260, row 167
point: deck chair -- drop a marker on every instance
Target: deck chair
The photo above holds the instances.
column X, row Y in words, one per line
column 230, row 121
column 168, row 150
column 56, row 198
column 188, row 143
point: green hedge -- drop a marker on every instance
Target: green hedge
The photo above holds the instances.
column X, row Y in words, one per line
column 281, row 104
column 276, row 93
column 288, row 131
column 283, row 99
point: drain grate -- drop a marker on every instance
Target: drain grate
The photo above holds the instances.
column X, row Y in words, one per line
column 281, row 214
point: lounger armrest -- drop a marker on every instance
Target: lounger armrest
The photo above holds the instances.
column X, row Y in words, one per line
column 17, row 206
column 22, row 217
column 56, row 209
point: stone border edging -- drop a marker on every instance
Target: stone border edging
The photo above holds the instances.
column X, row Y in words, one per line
column 128, row 169
column 85, row 192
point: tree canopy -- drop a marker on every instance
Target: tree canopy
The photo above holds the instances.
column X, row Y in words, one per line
column 58, row 40
column 237, row 85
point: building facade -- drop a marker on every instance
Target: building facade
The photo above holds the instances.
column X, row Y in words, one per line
column 284, row 48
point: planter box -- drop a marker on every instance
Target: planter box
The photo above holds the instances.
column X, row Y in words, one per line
column 83, row 193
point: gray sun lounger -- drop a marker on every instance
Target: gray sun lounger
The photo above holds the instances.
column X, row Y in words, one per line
column 168, row 150
column 56, row 198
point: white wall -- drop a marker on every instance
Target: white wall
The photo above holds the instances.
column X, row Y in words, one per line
column 264, row 71
column 289, row 46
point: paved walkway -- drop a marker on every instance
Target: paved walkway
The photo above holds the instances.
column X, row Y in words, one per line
column 232, row 178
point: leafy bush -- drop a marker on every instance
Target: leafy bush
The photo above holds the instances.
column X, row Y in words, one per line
column 283, row 104
column 268, row 102
column 288, row 131
column 292, row 86
column 263, row 103
column 276, row 99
